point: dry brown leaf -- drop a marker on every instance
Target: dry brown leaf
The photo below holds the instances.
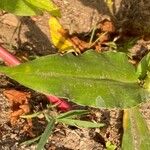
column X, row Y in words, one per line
column 19, row 103
column 107, row 26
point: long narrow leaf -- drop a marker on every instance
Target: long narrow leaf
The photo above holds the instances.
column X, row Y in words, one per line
column 136, row 133
column 29, row 142
column 143, row 67
column 72, row 113
column 31, row 115
column 46, row 134
column 80, row 123
column 93, row 79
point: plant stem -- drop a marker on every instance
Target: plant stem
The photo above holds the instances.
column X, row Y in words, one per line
column 11, row 60
column 8, row 58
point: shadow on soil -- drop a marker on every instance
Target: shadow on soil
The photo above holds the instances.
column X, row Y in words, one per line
column 37, row 41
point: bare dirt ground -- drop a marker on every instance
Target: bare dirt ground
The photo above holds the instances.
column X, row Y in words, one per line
column 28, row 38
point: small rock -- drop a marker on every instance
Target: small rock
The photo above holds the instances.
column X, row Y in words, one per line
column 10, row 20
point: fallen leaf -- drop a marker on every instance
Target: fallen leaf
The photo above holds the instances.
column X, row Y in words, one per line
column 16, row 96
column 79, row 44
column 107, row 26
column 19, row 103
column 59, row 36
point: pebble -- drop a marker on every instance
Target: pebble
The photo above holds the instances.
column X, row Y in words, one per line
column 10, row 20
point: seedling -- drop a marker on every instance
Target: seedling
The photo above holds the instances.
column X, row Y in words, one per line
column 110, row 146
column 67, row 118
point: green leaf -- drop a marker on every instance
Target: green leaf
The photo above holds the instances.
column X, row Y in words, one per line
column 72, row 113
column 80, row 123
column 19, row 7
column 29, row 142
column 47, row 132
column 29, row 7
column 31, row 115
column 93, row 79
column 46, row 5
column 143, row 67
column 110, row 146
column 136, row 133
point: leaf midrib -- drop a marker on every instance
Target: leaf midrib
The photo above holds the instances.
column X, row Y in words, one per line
column 60, row 75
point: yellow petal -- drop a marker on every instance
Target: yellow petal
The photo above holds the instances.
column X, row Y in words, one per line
column 57, row 37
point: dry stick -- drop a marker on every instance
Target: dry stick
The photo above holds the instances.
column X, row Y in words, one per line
column 92, row 35
column 11, row 60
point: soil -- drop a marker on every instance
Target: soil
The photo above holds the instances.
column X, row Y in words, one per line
column 79, row 16
column 24, row 34
column 28, row 38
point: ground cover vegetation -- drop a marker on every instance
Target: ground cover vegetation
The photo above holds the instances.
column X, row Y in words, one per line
column 91, row 71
